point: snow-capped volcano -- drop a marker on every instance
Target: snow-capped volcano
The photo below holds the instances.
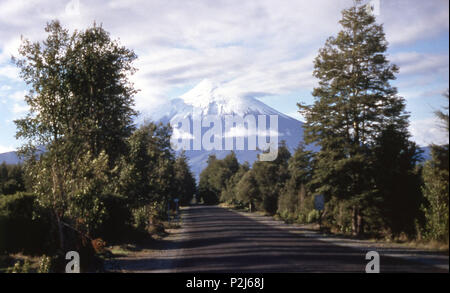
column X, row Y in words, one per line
column 209, row 99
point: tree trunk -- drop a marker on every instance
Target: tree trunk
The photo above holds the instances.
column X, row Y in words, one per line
column 357, row 222
column 60, row 231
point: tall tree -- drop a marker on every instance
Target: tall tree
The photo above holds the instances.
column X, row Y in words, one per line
column 186, row 185
column 271, row 177
column 214, row 177
column 80, row 106
column 354, row 103
column 436, row 186
column 292, row 200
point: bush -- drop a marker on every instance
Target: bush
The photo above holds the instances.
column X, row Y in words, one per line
column 313, row 216
column 23, row 226
column 116, row 220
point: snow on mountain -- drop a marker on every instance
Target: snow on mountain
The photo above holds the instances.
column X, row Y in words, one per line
column 210, row 99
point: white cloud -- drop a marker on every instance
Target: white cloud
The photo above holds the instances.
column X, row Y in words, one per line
column 411, row 63
column 18, row 96
column 428, row 131
column 19, row 109
column 408, row 21
column 263, row 46
column 9, row 71
column 5, row 149
column 258, row 47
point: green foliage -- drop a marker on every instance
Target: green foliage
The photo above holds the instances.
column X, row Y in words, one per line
column 45, row 265
column 20, row 267
column 185, row 181
column 24, row 227
column 396, row 203
column 271, row 177
column 313, row 216
column 11, row 179
column 147, row 172
column 80, row 103
column 214, row 177
column 355, row 109
column 248, row 192
column 293, row 203
column 436, row 209
column 436, row 188
column 229, row 194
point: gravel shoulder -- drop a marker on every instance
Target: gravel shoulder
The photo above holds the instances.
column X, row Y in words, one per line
column 434, row 258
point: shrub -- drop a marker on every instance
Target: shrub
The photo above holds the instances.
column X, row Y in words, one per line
column 116, row 219
column 313, row 216
column 24, row 227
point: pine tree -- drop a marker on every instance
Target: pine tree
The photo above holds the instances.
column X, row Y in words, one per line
column 185, row 180
column 436, row 187
column 291, row 202
column 271, row 177
column 354, row 103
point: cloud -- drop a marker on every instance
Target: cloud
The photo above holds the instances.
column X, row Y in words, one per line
column 263, row 46
column 10, row 72
column 408, row 21
column 18, row 96
column 254, row 47
column 428, row 131
column 19, row 109
column 414, row 63
column 5, row 149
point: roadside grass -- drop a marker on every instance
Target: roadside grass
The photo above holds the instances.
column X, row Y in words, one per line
column 399, row 242
column 8, row 261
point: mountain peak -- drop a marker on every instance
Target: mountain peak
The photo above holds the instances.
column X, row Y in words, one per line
column 202, row 94
column 211, row 97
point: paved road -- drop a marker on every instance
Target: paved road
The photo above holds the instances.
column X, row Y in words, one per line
column 215, row 239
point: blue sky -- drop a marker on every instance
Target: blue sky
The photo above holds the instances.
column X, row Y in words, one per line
column 259, row 47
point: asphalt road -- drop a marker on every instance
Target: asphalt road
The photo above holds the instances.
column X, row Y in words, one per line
column 215, row 239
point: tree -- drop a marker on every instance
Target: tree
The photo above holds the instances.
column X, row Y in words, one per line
column 214, row 177
column 397, row 181
column 292, row 201
column 354, row 103
column 436, row 187
column 271, row 177
column 80, row 105
column 184, row 179
column 247, row 191
column 11, row 179
column 147, row 172
column 229, row 194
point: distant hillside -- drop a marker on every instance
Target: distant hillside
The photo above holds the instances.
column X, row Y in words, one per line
column 10, row 158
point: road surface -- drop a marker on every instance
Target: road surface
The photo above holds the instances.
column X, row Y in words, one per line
column 215, row 239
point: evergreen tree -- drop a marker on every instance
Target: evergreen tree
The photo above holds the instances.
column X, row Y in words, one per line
column 354, row 103
column 214, row 177
column 292, row 201
column 229, row 194
column 247, row 191
column 436, row 187
column 270, row 177
column 185, row 180
column 11, row 179
column 397, row 180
